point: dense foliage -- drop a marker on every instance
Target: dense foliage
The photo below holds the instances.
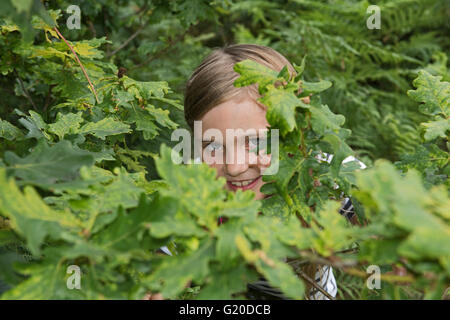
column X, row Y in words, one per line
column 87, row 178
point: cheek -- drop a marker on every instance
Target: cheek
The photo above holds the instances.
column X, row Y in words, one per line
column 258, row 194
column 218, row 168
column 264, row 160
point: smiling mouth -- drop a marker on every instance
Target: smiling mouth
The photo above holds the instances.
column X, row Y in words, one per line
column 243, row 184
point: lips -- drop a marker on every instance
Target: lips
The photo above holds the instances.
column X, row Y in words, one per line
column 243, row 184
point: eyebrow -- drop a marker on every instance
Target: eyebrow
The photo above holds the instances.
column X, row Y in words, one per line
column 253, row 135
column 207, row 142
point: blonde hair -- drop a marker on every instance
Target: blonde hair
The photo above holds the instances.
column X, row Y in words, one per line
column 212, row 81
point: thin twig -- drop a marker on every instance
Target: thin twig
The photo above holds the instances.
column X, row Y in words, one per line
column 337, row 264
column 91, row 27
column 123, row 45
column 25, row 91
column 351, row 250
column 383, row 277
column 349, row 267
column 48, row 97
column 314, row 284
column 79, row 62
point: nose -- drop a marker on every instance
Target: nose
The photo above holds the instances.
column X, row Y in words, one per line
column 235, row 170
column 233, row 167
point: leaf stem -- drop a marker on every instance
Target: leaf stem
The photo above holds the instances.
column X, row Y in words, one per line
column 79, row 62
column 25, row 91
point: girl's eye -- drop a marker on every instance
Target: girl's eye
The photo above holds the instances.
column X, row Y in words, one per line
column 213, row 146
column 253, row 144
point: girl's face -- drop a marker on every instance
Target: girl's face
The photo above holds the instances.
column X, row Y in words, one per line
column 243, row 115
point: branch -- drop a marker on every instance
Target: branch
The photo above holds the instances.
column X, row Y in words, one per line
column 123, row 45
column 48, row 97
column 79, row 62
column 314, row 284
column 310, row 257
column 349, row 267
column 383, row 277
column 25, row 91
column 91, row 27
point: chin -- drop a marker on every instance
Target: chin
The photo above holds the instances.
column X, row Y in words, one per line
column 258, row 194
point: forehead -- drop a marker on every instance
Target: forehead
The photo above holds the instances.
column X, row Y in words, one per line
column 238, row 113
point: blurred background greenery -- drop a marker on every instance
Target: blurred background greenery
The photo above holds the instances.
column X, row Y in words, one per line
column 371, row 70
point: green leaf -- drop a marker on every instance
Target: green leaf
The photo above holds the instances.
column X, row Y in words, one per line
column 123, row 98
column 175, row 272
column 435, row 129
column 281, row 108
column 9, row 131
column 403, row 203
column 146, row 90
column 49, row 165
column 323, row 120
column 121, row 192
column 299, row 69
column 288, row 166
column 427, row 159
column 340, row 151
column 315, row 87
column 226, row 249
column 427, row 242
column 252, row 72
column 384, row 251
column 226, row 282
column 165, row 220
column 293, row 234
column 8, row 274
column 280, row 275
column 433, row 93
column 263, row 231
column 23, row 5
column 125, row 235
column 203, row 193
column 87, row 50
column 331, row 229
column 161, row 117
column 105, row 127
column 284, row 73
column 31, row 217
column 66, row 124
column 146, row 121
column 240, row 204
column 35, row 125
column 47, row 281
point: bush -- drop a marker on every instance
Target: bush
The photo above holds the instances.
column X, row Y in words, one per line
column 86, row 171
